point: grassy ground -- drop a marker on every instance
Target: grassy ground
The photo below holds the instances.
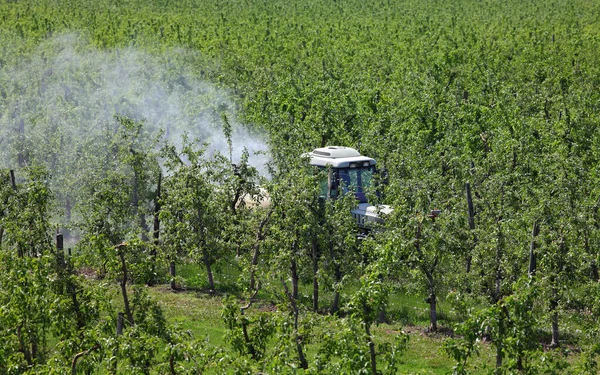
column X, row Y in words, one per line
column 194, row 309
column 199, row 313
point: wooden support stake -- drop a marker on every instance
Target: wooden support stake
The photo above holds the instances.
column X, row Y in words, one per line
column 120, row 318
column 59, row 242
column 12, row 180
column 60, row 252
column 532, row 256
column 471, row 211
column 172, row 273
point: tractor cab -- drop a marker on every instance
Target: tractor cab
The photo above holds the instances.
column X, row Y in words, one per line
column 348, row 170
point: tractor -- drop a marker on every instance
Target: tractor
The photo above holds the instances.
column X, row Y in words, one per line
column 347, row 170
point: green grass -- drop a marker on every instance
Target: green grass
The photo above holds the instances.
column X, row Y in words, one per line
column 194, row 276
column 199, row 313
column 196, row 312
column 403, row 308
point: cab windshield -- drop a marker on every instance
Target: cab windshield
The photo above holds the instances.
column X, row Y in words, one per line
column 359, row 180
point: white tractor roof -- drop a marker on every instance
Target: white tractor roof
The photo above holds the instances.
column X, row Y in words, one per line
column 339, row 157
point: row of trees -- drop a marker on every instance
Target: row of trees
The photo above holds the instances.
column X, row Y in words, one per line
column 486, row 112
column 511, row 270
column 135, row 220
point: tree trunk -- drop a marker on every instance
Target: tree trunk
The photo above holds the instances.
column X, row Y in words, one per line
column 295, row 279
column 13, row 181
column 554, row 298
column 337, row 275
column 34, row 346
column 471, row 211
column 500, row 343
column 432, row 299
column 156, row 221
column 532, row 256
column 373, row 355
column 335, row 304
column 66, row 270
column 594, row 275
column 207, row 264
column 124, row 284
column 315, row 253
column 555, row 332
column 119, row 324
column 71, row 289
column 172, row 365
column 432, row 312
column 155, row 230
column 498, row 288
column 554, row 317
column 244, row 322
column 297, row 338
column 172, row 274
column 253, row 265
column 23, row 347
column 259, row 237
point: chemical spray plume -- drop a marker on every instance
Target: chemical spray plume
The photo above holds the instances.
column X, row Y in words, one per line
column 67, row 92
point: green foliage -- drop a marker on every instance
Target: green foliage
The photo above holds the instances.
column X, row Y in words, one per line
column 24, row 217
column 25, row 295
column 510, row 324
column 592, row 329
column 370, row 299
column 504, row 96
column 201, row 200
column 116, row 199
column 248, row 335
column 344, row 350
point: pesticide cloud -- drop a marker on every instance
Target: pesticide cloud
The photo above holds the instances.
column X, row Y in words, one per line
column 68, row 92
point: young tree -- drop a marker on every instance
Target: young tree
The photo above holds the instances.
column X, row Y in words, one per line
column 25, row 216
column 423, row 236
column 116, row 198
column 194, row 207
column 511, row 325
column 296, row 224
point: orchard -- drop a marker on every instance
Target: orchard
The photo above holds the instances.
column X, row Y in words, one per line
column 159, row 213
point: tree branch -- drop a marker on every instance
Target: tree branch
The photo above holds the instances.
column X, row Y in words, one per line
column 79, row 355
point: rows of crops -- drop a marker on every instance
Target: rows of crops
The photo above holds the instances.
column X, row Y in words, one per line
column 487, row 111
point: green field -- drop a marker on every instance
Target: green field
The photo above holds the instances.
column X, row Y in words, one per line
column 149, row 132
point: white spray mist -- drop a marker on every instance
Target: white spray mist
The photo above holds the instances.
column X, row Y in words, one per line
column 67, row 92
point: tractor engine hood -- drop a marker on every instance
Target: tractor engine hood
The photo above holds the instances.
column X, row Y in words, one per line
column 367, row 215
